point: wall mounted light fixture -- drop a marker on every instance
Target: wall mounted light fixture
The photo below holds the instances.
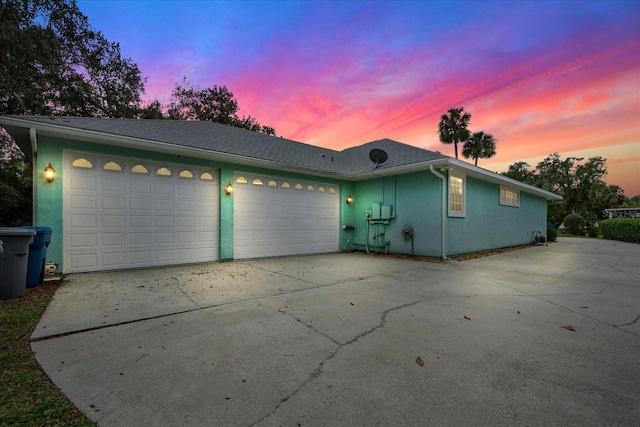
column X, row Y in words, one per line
column 228, row 189
column 349, row 199
column 49, row 173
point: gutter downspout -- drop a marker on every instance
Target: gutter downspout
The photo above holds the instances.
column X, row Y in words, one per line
column 443, row 212
column 34, row 173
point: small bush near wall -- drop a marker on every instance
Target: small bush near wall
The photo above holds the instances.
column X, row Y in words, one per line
column 552, row 235
column 592, row 231
column 574, row 223
column 624, row 229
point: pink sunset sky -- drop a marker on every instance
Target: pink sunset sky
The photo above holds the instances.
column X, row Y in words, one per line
column 540, row 76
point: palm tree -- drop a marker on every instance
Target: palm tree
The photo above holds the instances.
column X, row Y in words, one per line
column 479, row 145
column 453, row 127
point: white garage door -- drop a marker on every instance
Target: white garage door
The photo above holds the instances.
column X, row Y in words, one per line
column 128, row 213
column 276, row 217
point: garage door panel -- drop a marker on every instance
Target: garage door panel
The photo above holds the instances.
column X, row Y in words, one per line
column 164, row 204
column 140, row 204
column 139, row 257
column 83, row 220
column 112, row 185
column 83, row 261
column 85, row 184
column 273, row 220
column 113, row 239
column 84, row 240
column 124, row 213
column 164, row 187
column 113, row 259
column 112, row 203
column 164, row 221
column 139, row 187
column 164, row 238
column 83, row 201
column 165, row 255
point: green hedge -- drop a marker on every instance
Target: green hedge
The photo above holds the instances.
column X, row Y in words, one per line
column 625, row 229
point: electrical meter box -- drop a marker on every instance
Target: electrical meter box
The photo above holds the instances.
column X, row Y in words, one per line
column 385, row 211
column 375, row 211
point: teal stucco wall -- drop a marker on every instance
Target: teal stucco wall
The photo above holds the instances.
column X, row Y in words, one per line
column 490, row 225
column 415, row 200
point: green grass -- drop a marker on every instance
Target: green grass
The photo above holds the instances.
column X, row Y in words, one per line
column 27, row 396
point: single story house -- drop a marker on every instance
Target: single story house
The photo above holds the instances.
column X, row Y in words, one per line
column 138, row 193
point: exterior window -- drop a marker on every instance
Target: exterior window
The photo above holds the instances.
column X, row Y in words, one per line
column 186, row 174
column 332, row 190
column 82, row 163
column 241, row 180
column 257, row 181
column 298, row 186
column 286, row 185
column 163, row 171
column 457, row 196
column 310, row 188
column 139, row 169
column 509, row 196
column 112, row 166
column 321, row 189
column 206, row 176
column 272, row 184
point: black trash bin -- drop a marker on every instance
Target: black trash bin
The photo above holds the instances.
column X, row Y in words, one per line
column 14, row 254
column 37, row 255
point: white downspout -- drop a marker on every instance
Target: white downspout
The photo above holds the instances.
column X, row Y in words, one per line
column 443, row 214
column 34, row 175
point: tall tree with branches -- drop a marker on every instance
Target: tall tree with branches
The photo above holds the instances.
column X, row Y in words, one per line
column 52, row 62
column 453, row 127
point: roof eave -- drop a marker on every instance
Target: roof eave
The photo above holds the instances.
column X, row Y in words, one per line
column 496, row 178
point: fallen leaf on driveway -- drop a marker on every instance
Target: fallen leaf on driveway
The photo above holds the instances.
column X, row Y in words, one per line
column 568, row 328
column 584, row 306
column 419, row 361
column 467, row 317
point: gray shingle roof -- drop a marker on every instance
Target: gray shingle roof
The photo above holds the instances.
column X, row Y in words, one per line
column 224, row 139
column 243, row 146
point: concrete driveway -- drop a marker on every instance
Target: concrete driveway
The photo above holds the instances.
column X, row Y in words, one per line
column 334, row 339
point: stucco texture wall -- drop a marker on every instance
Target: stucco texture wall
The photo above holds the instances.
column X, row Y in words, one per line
column 415, row 199
column 490, row 225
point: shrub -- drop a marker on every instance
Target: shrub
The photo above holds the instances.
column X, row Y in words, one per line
column 592, row 231
column 574, row 223
column 552, row 235
column 624, row 229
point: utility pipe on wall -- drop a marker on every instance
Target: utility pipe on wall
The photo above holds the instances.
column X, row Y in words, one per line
column 34, row 173
column 443, row 214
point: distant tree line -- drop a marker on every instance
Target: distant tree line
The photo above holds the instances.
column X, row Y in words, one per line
column 579, row 182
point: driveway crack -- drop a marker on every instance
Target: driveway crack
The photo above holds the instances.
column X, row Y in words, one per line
column 630, row 323
column 183, row 292
column 318, row 371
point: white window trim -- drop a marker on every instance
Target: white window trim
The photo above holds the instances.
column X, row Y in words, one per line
column 513, row 190
column 463, row 213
